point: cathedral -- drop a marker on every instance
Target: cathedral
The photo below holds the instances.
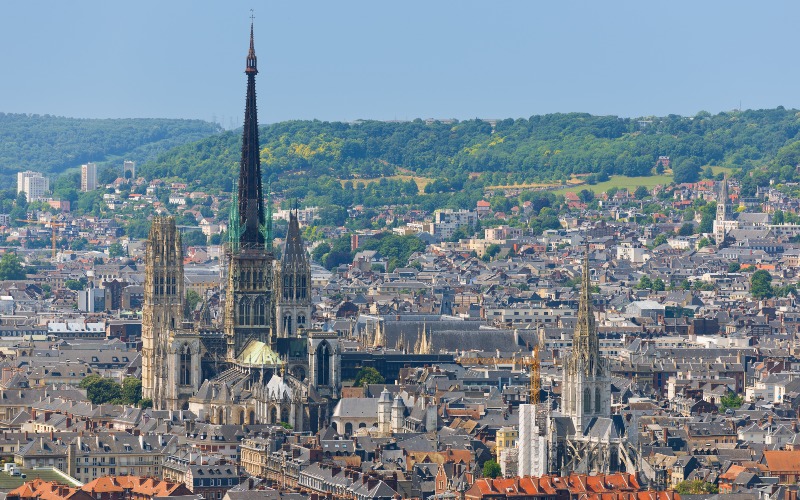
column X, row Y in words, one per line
column 584, row 437
column 262, row 364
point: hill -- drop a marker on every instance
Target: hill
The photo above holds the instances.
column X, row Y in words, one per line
column 53, row 144
column 298, row 155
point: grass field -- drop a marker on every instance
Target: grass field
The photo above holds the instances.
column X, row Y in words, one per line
column 631, row 183
column 421, row 181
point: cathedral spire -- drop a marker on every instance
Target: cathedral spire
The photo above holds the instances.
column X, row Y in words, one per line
column 586, row 346
column 250, row 200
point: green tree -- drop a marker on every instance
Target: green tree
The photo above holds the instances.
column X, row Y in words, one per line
column 734, row 267
column 731, row 400
column 641, row 193
column 645, row 283
column 658, row 285
column 687, row 229
column 368, row 375
column 761, row 285
column 102, row 390
column 687, row 170
column 492, row 250
column 491, row 469
column 192, row 299
column 10, row 267
column 703, row 242
column 695, row 487
column 131, row 390
column 319, row 251
column 145, row 403
column 115, row 250
column 75, row 284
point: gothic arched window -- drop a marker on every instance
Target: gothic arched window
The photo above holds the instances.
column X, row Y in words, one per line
column 287, row 325
column 597, row 400
column 301, row 292
column 587, row 400
column 244, row 311
column 301, row 320
column 259, row 312
column 185, row 374
column 287, row 286
column 323, row 364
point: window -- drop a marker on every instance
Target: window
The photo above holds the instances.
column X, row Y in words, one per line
column 244, row 311
column 587, row 400
column 260, row 312
column 597, row 400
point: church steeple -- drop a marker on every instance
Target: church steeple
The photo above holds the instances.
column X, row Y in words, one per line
column 586, row 346
column 250, row 199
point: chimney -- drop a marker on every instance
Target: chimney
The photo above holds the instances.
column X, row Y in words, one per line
column 664, row 435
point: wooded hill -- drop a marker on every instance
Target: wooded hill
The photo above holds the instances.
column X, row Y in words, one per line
column 538, row 149
column 52, row 144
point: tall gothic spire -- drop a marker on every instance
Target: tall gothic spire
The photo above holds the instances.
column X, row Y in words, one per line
column 585, row 344
column 251, row 200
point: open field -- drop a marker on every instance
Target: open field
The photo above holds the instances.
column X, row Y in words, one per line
column 421, row 181
column 631, row 183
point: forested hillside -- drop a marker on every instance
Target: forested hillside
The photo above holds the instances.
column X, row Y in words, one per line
column 53, row 144
column 542, row 148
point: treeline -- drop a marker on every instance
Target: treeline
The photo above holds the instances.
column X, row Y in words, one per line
column 298, row 154
column 52, row 144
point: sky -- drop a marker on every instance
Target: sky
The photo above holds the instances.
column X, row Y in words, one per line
column 396, row 60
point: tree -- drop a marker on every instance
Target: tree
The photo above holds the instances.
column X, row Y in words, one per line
column 145, row 403
column 101, row 390
column 492, row 250
column 687, row 170
column 10, row 267
column 761, row 285
column 491, row 469
column 641, row 193
column 734, row 267
column 368, row 375
column 586, row 195
column 115, row 250
column 131, row 390
column 695, row 487
column 731, row 400
column 658, row 285
column 687, row 229
column 192, row 299
column 645, row 283
column 319, row 251
column 703, row 242
column 75, row 284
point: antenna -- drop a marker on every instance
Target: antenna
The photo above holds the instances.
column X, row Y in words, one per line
column 252, row 16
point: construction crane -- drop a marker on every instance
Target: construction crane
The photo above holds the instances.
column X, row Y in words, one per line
column 535, row 371
column 53, row 224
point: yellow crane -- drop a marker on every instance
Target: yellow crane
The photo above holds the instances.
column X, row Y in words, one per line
column 535, row 371
column 53, row 224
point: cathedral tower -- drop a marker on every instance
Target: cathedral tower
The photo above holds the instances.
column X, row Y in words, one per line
column 162, row 311
column 249, row 301
column 723, row 214
column 293, row 284
column 587, row 385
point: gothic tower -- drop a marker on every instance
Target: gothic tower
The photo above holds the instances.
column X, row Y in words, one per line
column 723, row 214
column 162, row 311
column 293, row 284
column 249, row 301
column 587, row 384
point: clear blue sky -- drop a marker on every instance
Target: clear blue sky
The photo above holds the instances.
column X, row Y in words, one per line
column 344, row 60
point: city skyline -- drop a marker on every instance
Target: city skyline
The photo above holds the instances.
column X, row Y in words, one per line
column 363, row 60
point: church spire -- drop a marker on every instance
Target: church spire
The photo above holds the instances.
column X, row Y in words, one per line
column 250, row 199
column 586, row 346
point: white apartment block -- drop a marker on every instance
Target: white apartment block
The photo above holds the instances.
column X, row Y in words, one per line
column 33, row 184
column 88, row 177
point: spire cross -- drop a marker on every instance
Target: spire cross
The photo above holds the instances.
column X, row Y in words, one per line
column 252, row 16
